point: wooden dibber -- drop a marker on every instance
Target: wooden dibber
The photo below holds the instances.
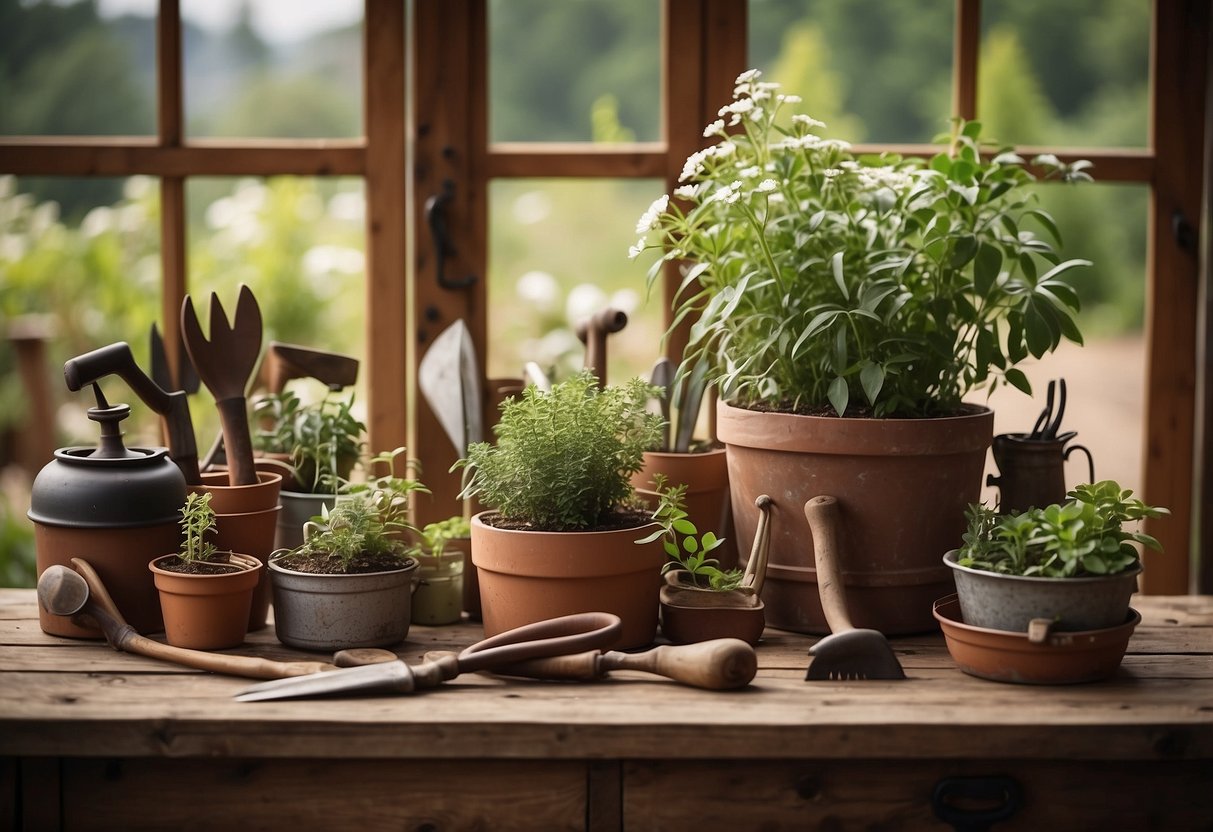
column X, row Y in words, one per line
column 720, row 664
column 81, row 593
column 847, row 653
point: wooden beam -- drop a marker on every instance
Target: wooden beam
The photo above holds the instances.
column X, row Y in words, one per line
column 448, row 94
column 575, row 160
column 170, row 122
column 387, row 348
column 965, row 58
column 68, row 156
column 1179, row 49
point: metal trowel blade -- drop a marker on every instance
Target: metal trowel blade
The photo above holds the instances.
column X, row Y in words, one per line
column 388, row 677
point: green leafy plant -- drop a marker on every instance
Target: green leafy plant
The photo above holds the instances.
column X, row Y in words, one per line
column 563, row 459
column 1082, row 536
column 197, row 520
column 323, row 438
column 818, row 279
column 434, row 536
column 366, row 528
column 682, row 542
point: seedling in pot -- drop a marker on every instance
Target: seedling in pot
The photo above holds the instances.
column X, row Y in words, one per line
column 688, row 550
column 198, row 555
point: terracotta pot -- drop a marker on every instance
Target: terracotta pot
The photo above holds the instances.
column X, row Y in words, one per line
column 1060, row 659
column 902, row 487
column 298, row 507
column 207, row 612
column 252, row 534
column 529, row 576
column 1010, row 602
column 339, row 612
column 439, row 596
column 706, row 476
column 240, row 499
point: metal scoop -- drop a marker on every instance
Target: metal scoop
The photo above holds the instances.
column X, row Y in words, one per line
column 848, row 652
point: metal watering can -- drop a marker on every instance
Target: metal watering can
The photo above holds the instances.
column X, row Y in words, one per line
column 1032, row 465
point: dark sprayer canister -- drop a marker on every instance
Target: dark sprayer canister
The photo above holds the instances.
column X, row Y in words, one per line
column 113, row 506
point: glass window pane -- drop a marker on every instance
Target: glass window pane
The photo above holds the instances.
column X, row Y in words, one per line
column 1105, row 378
column 1075, row 73
column 299, row 243
column 78, row 69
column 273, row 69
column 587, row 70
column 97, row 279
column 558, row 253
column 872, row 70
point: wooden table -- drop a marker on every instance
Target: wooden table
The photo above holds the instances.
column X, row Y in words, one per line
column 90, row 738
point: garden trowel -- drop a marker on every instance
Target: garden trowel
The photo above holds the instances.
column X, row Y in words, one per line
column 449, row 378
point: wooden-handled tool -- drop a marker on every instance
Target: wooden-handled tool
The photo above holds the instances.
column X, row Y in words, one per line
column 847, row 653
column 225, row 363
column 81, row 593
column 720, row 664
column 593, row 333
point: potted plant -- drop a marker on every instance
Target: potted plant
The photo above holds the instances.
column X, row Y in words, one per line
column 323, row 440
column 846, row 305
column 701, row 600
column 205, row 593
column 558, row 535
column 1043, row 594
column 445, row 546
column 699, row 464
column 350, row 582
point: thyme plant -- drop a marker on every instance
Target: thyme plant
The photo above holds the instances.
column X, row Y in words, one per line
column 820, row 279
column 1082, row 536
column 563, row 459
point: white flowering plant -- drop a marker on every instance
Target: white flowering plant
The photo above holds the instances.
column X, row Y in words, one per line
column 819, row 280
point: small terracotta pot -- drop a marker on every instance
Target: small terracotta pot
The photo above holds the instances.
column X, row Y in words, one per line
column 240, row 499
column 902, row 486
column 529, row 576
column 207, row 612
column 690, row 613
column 706, row 476
column 251, row 533
column 1063, row 658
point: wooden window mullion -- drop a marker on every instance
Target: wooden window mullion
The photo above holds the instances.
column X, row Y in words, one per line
column 965, row 57
column 169, row 131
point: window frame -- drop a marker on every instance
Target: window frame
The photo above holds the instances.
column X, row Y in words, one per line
column 432, row 54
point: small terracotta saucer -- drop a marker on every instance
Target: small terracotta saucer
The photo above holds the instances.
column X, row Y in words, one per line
column 1061, row 659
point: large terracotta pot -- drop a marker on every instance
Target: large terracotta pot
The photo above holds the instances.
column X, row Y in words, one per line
column 902, row 487
column 706, row 476
column 207, row 612
column 529, row 576
column 246, row 517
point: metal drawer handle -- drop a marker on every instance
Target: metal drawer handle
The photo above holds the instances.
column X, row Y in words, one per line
column 973, row 804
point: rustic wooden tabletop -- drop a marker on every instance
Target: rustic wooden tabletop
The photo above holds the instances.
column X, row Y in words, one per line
column 68, row 697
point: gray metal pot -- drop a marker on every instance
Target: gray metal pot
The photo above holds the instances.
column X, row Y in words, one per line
column 337, row 612
column 298, row 507
column 1009, row 602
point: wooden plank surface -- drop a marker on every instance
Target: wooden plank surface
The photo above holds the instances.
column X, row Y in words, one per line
column 79, row 698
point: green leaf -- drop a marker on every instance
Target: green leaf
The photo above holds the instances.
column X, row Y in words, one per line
column 986, row 268
column 650, row 538
column 871, row 377
column 1018, row 380
column 670, row 548
column 1040, row 338
column 964, row 250
column 836, row 267
column 839, row 395
column 683, row 526
column 690, row 544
